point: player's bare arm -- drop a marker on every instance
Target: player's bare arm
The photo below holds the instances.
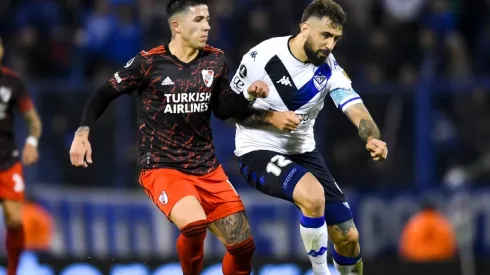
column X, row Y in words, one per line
column 368, row 131
column 30, row 153
column 283, row 121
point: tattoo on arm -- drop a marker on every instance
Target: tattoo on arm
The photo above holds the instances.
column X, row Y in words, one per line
column 33, row 123
column 367, row 129
column 232, row 229
column 82, row 130
column 259, row 117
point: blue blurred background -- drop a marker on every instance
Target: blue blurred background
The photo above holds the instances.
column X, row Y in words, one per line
column 421, row 66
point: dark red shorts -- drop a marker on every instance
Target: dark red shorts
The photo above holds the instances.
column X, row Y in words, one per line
column 166, row 187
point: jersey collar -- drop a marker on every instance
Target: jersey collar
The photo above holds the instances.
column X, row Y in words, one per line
column 291, row 53
column 177, row 60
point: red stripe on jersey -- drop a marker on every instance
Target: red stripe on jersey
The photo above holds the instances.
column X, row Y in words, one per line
column 9, row 72
column 25, row 104
column 157, row 50
column 210, row 48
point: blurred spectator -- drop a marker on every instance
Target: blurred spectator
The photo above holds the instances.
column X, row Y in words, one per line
column 38, row 227
column 428, row 236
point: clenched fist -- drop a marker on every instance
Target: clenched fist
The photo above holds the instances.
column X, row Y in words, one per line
column 284, row 121
column 81, row 151
column 29, row 154
column 377, row 148
column 258, row 89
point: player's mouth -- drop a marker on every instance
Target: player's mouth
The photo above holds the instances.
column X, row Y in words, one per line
column 324, row 53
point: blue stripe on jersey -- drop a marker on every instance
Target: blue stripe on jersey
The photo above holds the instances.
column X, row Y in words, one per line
column 350, row 100
column 293, row 97
column 316, row 84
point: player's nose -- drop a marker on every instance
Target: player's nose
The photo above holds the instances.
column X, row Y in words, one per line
column 206, row 26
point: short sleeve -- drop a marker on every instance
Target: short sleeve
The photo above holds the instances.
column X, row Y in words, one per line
column 340, row 87
column 248, row 72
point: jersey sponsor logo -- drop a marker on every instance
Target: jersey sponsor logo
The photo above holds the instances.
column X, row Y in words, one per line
column 304, row 117
column 208, row 76
column 5, row 93
column 183, row 103
column 129, row 62
column 167, row 81
column 285, row 81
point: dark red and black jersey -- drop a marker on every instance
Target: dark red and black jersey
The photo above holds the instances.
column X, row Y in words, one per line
column 13, row 94
column 175, row 101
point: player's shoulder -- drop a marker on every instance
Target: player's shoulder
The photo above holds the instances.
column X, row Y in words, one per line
column 215, row 53
column 274, row 42
column 9, row 72
column 332, row 62
column 153, row 51
column 213, row 50
column 263, row 52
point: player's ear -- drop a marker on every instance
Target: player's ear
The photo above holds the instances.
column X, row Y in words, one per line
column 174, row 25
column 304, row 30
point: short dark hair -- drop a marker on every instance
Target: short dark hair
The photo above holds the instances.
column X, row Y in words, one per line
column 176, row 6
column 325, row 8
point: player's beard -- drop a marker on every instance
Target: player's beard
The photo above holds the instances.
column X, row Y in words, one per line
column 314, row 57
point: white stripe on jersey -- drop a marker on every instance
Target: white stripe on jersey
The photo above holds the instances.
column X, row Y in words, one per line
column 295, row 86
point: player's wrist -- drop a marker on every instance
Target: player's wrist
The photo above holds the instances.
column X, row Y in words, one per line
column 32, row 140
column 247, row 95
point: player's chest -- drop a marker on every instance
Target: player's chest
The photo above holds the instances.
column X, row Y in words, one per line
column 168, row 78
column 298, row 90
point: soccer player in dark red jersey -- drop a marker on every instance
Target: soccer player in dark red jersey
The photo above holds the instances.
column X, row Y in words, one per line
column 14, row 95
column 179, row 85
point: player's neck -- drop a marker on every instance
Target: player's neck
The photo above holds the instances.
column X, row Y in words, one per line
column 182, row 51
column 296, row 48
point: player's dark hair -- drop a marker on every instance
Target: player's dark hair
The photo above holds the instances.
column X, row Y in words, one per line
column 176, row 6
column 325, row 8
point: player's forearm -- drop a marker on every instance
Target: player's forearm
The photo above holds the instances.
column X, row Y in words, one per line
column 367, row 128
column 34, row 124
column 234, row 106
column 97, row 104
column 257, row 118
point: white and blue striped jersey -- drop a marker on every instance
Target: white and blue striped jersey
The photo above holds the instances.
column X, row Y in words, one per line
column 294, row 86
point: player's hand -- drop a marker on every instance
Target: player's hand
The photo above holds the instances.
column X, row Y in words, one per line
column 284, row 121
column 258, row 89
column 81, row 151
column 377, row 148
column 29, row 154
